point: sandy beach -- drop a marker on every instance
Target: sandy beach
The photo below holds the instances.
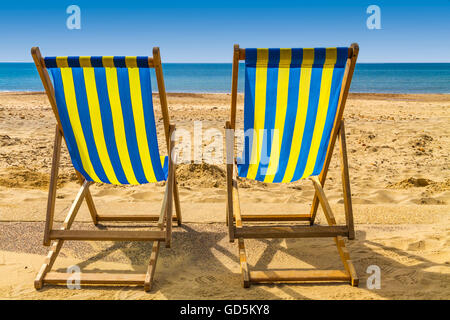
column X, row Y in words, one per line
column 400, row 178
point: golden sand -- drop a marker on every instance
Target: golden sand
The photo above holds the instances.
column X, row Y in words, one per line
column 399, row 168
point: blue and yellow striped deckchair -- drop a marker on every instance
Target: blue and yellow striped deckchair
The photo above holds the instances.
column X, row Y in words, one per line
column 293, row 112
column 104, row 110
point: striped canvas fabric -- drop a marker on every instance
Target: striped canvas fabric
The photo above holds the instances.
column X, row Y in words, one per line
column 106, row 111
column 291, row 98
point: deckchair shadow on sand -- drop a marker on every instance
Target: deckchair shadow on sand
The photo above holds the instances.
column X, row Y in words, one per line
column 298, row 96
column 104, row 112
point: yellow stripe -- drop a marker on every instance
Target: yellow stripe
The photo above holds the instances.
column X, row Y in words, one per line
column 85, row 62
column 61, row 62
column 108, row 62
column 308, row 57
column 260, row 110
column 162, row 159
column 282, row 97
column 119, row 127
column 324, row 99
column 97, row 126
column 131, row 62
column 72, row 109
column 302, row 109
column 141, row 134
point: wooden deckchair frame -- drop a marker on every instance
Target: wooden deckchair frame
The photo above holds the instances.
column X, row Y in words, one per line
column 56, row 237
column 235, row 219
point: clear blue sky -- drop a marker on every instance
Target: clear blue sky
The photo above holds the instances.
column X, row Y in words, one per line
column 205, row 31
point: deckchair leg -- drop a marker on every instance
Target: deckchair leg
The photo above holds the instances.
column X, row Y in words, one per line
column 48, row 264
column 151, row 267
column 171, row 189
column 91, row 207
column 169, row 213
column 45, row 276
column 52, row 188
column 291, row 275
column 244, row 265
column 176, row 198
column 234, row 207
column 323, row 201
column 348, row 264
column 231, row 183
column 57, row 245
column 89, row 200
column 346, row 183
column 273, row 276
column 314, row 207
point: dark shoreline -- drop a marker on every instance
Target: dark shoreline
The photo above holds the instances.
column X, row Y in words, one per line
column 352, row 95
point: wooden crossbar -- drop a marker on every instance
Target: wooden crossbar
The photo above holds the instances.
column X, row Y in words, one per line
column 266, row 232
column 88, row 235
column 95, row 278
column 276, row 217
column 298, row 276
column 130, row 218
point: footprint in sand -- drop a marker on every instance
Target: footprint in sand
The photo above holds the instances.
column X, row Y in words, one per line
column 418, row 245
column 428, row 201
column 427, row 244
column 407, row 278
column 206, row 280
column 145, row 195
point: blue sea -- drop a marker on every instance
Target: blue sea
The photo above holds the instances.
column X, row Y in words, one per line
column 216, row 77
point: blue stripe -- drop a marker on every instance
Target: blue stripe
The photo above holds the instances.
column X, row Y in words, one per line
column 65, row 122
column 130, row 130
column 108, row 126
column 249, row 112
column 251, row 55
column 85, row 119
column 166, row 166
column 270, row 112
column 291, row 113
column 319, row 57
column 73, row 62
column 97, row 62
column 150, row 127
column 296, row 58
column 336, row 83
column 119, row 62
column 50, row 62
column 314, row 94
column 342, row 56
column 142, row 62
